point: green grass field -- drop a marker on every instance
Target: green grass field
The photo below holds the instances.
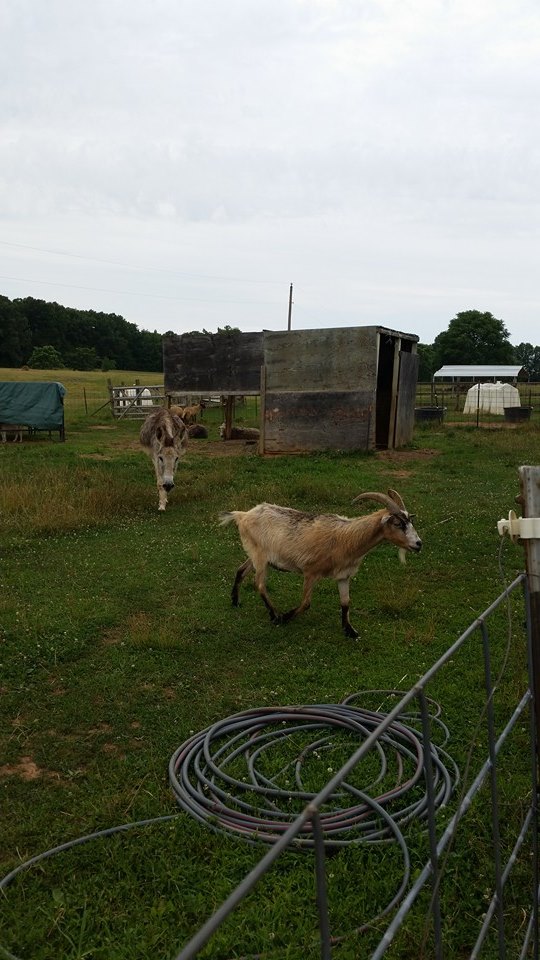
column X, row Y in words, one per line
column 118, row 641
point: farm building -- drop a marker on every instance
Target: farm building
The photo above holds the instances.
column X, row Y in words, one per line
column 345, row 388
column 467, row 373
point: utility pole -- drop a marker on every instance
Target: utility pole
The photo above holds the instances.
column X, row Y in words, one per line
column 290, row 309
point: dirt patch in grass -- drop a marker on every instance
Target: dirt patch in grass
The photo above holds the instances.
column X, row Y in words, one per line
column 224, row 448
column 26, row 769
column 94, row 456
column 403, row 456
column 486, row 425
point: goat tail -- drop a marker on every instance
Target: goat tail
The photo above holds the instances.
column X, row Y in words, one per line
column 225, row 518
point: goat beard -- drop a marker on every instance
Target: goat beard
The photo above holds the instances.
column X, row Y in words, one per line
column 402, row 555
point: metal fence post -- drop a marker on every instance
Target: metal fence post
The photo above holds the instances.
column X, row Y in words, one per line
column 530, row 499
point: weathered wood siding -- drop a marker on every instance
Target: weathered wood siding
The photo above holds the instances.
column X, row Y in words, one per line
column 320, row 389
column 408, row 376
column 224, row 363
column 342, row 358
column 317, row 420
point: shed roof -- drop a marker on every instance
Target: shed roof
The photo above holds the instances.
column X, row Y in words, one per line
column 478, row 370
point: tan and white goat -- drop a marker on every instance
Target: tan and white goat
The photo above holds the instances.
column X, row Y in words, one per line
column 164, row 438
column 317, row 546
column 190, row 413
column 176, row 410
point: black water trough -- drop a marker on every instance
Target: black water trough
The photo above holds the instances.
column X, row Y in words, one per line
column 425, row 414
column 517, row 414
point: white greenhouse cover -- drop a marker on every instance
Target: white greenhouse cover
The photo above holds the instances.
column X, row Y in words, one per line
column 491, row 397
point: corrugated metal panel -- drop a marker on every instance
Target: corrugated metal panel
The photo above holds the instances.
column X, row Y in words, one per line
column 478, row 370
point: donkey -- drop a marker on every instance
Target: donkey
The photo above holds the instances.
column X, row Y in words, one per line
column 164, row 438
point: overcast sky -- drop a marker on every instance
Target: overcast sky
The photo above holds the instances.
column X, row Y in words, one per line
column 182, row 162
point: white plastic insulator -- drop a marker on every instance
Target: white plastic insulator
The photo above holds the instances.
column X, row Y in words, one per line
column 519, row 528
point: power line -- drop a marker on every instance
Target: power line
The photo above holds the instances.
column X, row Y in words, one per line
column 151, row 296
column 130, row 266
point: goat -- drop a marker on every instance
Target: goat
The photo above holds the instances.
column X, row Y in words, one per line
column 164, row 438
column 176, row 411
column 317, row 546
column 13, row 429
column 241, row 433
column 190, row 413
column 197, row 430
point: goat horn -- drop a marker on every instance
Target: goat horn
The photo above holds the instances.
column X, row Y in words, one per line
column 390, row 504
column 394, row 495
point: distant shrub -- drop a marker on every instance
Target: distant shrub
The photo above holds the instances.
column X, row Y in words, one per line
column 83, row 358
column 45, row 358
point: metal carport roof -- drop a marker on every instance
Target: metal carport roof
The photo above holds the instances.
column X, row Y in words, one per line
column 478, row 370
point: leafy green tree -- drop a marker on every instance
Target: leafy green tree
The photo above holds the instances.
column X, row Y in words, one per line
column 474, row 337
column 427, row 365
column 15, row 335
column 45, row 358
column 83, row 358
column 27, row 323
column 529, row 357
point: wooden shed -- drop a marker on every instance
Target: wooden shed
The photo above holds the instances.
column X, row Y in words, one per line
column 340, row 388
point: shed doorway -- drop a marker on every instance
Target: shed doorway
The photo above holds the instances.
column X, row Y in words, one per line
column 385, row 391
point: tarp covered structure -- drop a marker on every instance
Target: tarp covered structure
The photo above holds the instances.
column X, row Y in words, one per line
column 39, row 406
column 491, row 397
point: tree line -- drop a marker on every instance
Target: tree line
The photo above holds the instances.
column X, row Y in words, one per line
column 48, row 336
column 474, row 336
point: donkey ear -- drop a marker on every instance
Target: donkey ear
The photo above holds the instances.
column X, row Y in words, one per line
column 159, row 434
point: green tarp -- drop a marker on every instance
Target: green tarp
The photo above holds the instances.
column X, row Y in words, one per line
column 36, row 405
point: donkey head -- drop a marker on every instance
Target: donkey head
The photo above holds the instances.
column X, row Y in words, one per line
column 167, row 454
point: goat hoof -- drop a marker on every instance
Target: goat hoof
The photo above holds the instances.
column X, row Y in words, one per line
column 351, row 632
column 287, row 617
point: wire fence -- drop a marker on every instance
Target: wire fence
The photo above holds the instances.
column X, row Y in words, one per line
column 450, row 403
column 478, row 403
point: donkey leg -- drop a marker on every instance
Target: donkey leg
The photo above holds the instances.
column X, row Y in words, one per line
column 162, row 493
